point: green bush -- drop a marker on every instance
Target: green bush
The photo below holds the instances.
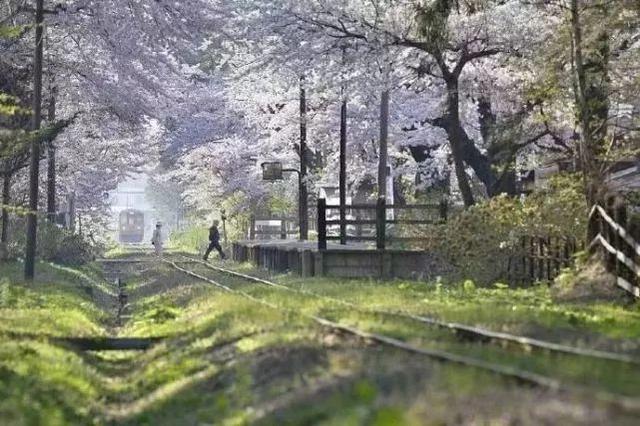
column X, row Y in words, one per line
column 478, row 241
column 54, row 244
column 60, row 246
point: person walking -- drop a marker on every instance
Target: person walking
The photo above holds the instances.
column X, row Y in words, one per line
column 214, row 241
column 156, row 240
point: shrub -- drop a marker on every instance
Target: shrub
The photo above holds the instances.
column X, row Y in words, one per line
column 54, row 244
column 479, row 241
column 66, row 248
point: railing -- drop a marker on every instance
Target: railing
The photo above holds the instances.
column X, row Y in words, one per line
column 612, row 232
column 283, row 232
column 380, row 222
column 540, row 258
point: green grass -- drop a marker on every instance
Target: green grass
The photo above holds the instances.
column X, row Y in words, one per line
column 228, row 360
column 523, row 310
column 58, row 303
column 41, row 383
column 191, row 240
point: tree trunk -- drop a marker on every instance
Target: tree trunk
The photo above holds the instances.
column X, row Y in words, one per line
column 34, row 170
column 456, row 135
column 479, row 163
column 501, row 156
column 591, row 72
column 464, row 147
column 51, row 167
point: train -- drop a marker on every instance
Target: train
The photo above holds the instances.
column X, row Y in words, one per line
column 131, row 226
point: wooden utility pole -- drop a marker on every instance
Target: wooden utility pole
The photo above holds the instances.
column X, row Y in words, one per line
column 34, row 167
column 71, row 213
column 384, row 140
column 303, row 195
column 343, row 170
column 51, row 164
column 6, row 196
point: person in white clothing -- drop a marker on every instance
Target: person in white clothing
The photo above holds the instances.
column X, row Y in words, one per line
column 156, row 240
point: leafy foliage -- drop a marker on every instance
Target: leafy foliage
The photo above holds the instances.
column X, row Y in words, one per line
column 479, row 239
column 55, row 244
column 9, row 105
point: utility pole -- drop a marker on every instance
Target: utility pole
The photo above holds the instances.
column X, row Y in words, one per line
column 51, row 164
column 34, row 166
column 343, row 170
column 71, row 214
column 343, row 156
column 303, row 194
column 384, row 140
column 6, row 195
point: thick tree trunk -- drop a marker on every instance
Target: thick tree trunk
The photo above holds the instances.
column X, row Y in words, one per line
column 465, row 146
column 34, row 170
column 500, row 156
column 475, row 159
column 591, row 70
column 456, row 135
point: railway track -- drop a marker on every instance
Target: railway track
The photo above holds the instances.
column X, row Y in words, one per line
column 506, row 371
column 457, row 328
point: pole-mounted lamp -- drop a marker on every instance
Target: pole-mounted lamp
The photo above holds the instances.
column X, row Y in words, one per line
column 273, row 171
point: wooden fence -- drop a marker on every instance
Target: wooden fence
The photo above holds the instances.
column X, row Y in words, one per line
column 379, row 222
column 288, row 227
column 540, row 258
column 611, row 231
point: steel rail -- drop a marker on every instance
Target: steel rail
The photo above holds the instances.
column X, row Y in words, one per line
column 479, row 332
column 538, row 380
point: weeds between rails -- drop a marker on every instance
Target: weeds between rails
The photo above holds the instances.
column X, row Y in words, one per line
column 462, row 330
column 520, row 376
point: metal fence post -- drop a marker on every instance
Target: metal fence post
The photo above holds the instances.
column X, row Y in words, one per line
column 381, row 223
column 322, row 224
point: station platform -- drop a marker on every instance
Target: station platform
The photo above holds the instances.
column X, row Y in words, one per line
column 341, row 261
